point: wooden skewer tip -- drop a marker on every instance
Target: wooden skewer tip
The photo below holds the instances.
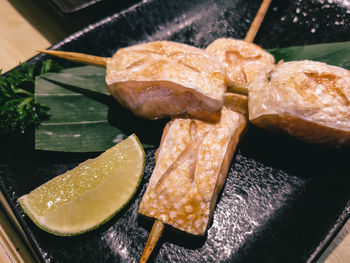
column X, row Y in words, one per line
column 77, row 57
column 152, row 240
column 254, row 27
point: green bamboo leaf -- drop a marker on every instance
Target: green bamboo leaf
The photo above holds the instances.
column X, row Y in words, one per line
column 84, row 117
column 87, row 77
column 337, row 54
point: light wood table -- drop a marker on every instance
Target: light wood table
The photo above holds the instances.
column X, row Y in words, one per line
column 21, row 35
column 26, row 26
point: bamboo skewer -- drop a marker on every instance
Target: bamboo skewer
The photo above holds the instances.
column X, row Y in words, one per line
column 102, row 61
column 158, row 226
column 78, row 57
column 254, row 27
column 152, row 240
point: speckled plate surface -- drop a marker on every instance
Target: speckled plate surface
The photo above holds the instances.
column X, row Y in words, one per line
column 283, row 200
column 71, row 6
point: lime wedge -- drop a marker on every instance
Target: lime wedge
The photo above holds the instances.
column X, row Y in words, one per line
column 90, row 194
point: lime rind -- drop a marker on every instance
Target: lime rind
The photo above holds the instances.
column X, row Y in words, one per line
column 40, row 221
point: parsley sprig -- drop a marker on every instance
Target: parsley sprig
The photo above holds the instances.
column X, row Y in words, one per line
column 18, row 109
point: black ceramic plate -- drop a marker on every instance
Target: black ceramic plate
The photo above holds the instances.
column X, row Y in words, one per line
column 70, row 6
column 283, row 200
column 90, row 7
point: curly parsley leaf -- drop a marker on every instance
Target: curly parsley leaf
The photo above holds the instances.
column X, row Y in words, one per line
column 18, row 109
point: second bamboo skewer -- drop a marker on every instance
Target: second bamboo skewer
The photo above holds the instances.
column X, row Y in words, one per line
column 158, row 226
column 254, row 27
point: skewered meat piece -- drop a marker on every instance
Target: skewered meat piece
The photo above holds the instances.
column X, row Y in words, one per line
column 306, row 99
column 167, row 79
column 242, row 60
column 191, row 167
